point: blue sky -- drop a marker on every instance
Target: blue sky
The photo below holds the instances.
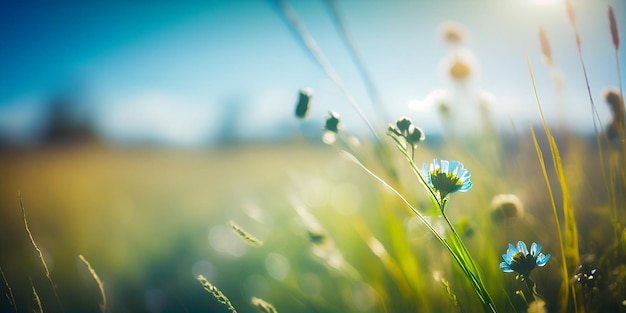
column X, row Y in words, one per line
column 166, row 71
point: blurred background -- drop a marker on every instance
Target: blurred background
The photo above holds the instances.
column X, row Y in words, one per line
column 135, row 131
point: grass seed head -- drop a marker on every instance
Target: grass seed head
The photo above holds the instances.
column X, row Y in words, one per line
column 217, row 294
column 452, row 33
column 569, row 8
column 263, row 306
column 613, row 98
column 545, row 47
column 613, row 26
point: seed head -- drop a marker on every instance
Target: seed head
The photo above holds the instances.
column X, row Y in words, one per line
column 570, row 12
column 452, row 33
column 613, row 26
column 545, row 47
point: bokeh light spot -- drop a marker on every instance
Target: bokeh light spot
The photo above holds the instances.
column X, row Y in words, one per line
column 277, row 266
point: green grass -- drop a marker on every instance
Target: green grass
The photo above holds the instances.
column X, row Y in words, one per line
column 144, row 229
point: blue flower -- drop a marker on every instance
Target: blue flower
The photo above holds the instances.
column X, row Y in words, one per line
column 447, row 177
column 518, row 259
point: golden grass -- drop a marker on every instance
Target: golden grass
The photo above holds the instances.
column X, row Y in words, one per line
column 9, row 294
column 103, row 304
column 41, row 258
column 37, row 299
column 569, row 240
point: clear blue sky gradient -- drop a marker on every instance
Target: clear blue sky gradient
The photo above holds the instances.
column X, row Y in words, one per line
column 188, row 59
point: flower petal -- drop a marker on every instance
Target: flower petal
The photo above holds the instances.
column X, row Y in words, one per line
column 445, row 165
column 467, row 185
column 521, row 246
column 511, row 250
column 542, row 259
column 435, row 165
column 427, row 173
column 507, row 258
column 535, row 249
column 505, row 267
column 463, row 173
column 454, row 167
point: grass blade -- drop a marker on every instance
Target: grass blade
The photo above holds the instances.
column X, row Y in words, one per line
column 40, row 254
column 568, row 241
column 95, row 276
column 10, row 292
column 37, row 299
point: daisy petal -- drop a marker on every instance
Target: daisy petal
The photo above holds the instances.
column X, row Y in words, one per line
column 521, row 246
column 445, row 165
column 467, row 185
column 454, row 167
column 505, row 267
column 535, row 249
column 511, row 250
column 507, row 258
column 542, row 259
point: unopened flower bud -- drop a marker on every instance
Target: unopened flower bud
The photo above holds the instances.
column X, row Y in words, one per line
column 304, row 101
column 332, row 122
column 403, row 124
column 414, row 135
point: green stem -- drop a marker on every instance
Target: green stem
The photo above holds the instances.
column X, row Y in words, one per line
column 475, row 280
column 530, row 286
column 458, row 251
column 466, row 257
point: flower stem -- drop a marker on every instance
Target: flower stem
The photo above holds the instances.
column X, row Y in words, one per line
column 467, row 263
column 530, row 287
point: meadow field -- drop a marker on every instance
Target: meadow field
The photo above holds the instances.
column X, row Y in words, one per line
column 463, row 202
column 151, row 220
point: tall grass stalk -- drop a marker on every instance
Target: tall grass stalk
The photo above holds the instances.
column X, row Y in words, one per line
column 103, row 305
column 621, row 118
column 568, row 240
column 9, row 295
column 36, row 295
column 610, row 180
column 392, row 267
column 615, row 36
column 345, row 36
column 456, row 248
column 295, row 23
column 40, row 254
column 309, row 42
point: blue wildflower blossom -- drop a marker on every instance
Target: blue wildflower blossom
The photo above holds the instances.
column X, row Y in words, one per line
column 518, row 259
column 447, row 177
